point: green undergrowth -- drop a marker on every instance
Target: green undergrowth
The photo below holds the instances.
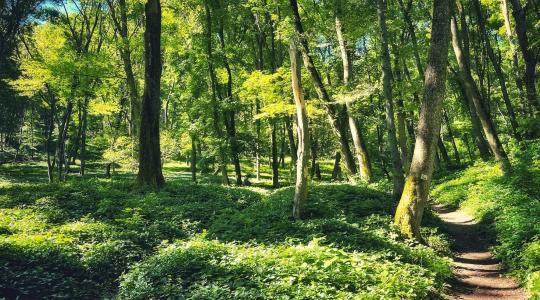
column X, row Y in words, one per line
column 509, row 206
column 93, row 238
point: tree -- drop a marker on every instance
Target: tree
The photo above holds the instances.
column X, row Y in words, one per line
column 471, row 91
column 300, row 192
column 397, row 172
column 415, row 193
column 150, row 173
column 335, row 113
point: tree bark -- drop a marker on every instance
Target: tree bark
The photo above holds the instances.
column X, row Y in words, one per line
column 529, row 57
column 356, row 132
column 472, row 92
column 498, row 70
column 84, row 127
column 414, row 198
column 451, row 135
column 397, row 168
column 121, row 24
column 274, row 154
column 512, row 43
column 150, row 174
column 300, row 192
column 193, row 165
column 230, row 114
column 479, row 139
column 334, row 112
column 215, row 94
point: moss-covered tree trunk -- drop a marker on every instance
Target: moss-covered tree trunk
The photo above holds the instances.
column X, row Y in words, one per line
column 150, row 173
column 413, row 200
column 300, row 192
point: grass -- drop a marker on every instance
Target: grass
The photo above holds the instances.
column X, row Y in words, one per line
column 101, row 238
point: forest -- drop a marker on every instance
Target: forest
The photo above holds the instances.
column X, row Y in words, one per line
column 269, row 149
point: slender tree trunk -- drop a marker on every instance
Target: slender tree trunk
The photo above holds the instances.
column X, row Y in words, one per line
column 497, row 68
column 410, row 28
column 49, row 143
column 397, row 168
column 356, row 132
column 300, row 192
column 84, row 128
column 512, row 43
column 479, row 139
column 336, row 171
column 472, row 92
column 62, row 136
column 529, row 57
column 290, row 136
column 274, row 154
column 150, row 173
column 334, row 113
column 451, row 135
column 443, row 151
column 215, row 94
column 121, row 24
column 230, row 115
column 193, row 165
column 400, row 114
column 411, row 205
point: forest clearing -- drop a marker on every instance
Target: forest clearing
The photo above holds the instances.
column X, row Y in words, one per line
column 269, row 149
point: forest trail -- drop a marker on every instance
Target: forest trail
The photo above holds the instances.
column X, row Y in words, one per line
column 477, row 274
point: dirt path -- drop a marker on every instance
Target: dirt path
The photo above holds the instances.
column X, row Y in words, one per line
column 478, row 275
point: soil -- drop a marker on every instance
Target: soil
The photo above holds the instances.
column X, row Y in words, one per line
column 478, row 275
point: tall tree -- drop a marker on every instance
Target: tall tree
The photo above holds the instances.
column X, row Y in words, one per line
column 150, row 173
column 472, row 92
column 356, row 132
column 334, row 112
column 414, row 198
column 300, row 192
column 497, row 67
column 397, row 167
column 529, row 57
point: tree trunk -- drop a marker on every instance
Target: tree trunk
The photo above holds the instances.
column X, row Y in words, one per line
column 334, row 112
column 62, row 136
column 215, row 94
column 300, row 192
column 121, row 24
column 410, row 28
column 451, row 134
column 84, row 128
column 290, row 136
column 443, row 151
column 411, row 205
column 193, row 165
column 479, row 139
column 356, row 133
column 230, row 115
column 336, row 171
column 274, row 154
column 472, row 92
column 150, row 174
column 529, row 57
column 497, row 68
column 397, row 168
column 512, row 43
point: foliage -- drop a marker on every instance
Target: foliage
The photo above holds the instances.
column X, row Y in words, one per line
column 76, row 239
